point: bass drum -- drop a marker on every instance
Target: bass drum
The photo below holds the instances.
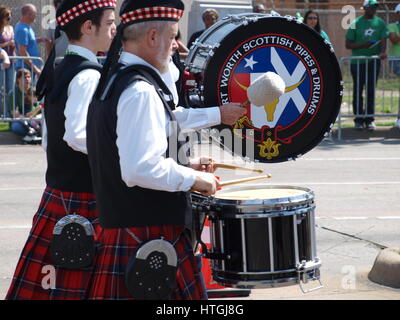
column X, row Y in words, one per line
column 235, row 51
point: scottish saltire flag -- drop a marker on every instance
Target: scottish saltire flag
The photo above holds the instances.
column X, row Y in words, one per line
column 291, row 68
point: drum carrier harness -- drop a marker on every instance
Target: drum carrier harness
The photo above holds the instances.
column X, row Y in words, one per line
column 151, row 271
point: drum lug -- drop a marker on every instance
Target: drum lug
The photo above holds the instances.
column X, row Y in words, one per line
column 309, row 271
column 244, row 20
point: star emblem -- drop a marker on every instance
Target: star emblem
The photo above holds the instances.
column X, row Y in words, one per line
column 369, row 32
column 250, row 62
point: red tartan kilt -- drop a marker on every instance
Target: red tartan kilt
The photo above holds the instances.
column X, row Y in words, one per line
column 28, row 276
column 116, row 248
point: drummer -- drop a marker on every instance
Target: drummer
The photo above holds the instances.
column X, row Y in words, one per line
column 143, row 194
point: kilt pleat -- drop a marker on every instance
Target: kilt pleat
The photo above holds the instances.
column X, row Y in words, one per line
column 118, row 245
column 33, row 266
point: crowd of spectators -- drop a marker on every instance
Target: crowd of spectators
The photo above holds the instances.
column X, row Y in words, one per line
column 17, row 78
column 367, row 37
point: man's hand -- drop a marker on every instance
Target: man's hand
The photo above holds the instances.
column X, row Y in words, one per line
column 204, row 164
column 231, row 113
column 206, row 183
column 36, row 70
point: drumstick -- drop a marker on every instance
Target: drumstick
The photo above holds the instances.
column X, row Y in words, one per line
column 229, row 166
column 237, row 181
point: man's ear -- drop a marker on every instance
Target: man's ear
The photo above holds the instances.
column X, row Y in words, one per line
column 152, row 38
column 87, row 27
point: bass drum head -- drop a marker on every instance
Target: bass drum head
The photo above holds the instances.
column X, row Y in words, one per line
column 293, row 125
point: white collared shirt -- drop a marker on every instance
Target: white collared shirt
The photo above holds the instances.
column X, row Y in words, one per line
column 142, row 126
column 190, row 118
column 80, row 93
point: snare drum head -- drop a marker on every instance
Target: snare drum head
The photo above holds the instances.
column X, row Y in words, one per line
column 263, row 195
column 296, row 122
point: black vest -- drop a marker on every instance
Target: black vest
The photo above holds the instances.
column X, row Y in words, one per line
column 121, row 206
column 67, row 169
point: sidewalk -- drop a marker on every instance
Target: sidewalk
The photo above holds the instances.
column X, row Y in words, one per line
column 385, row 132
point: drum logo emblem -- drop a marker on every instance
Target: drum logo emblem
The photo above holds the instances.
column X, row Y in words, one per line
column 274, row 125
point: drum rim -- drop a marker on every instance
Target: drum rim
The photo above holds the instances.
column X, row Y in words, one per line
column 289, row 200
column 257, row 283
column 218, row 24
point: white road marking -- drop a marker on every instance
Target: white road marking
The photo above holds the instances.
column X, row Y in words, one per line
column 8, row 163
column 350, row 218
column 341, row 183
column 388, row 217
column 351, row 159
column 21, row 188
column 14, row 227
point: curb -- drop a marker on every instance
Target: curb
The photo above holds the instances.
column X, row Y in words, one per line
column 10, row 138
column 380, row 132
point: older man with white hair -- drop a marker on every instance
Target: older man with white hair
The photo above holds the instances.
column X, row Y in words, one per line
column 141, row 182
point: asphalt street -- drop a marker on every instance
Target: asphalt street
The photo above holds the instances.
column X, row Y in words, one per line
column 356, row 183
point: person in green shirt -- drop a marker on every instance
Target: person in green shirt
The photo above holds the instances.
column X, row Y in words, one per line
column 21, row 102
column 394, row 36
column 366, row 37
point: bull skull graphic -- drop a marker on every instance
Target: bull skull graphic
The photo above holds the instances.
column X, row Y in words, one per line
column 271, row 107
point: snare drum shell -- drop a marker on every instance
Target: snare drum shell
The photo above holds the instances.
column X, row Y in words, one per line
column 259, row 240
column 265, row 245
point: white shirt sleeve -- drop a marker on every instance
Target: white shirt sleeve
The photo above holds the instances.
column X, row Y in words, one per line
column 44, row 132
column 80, row 93
column 142, row 142
column 197, row 118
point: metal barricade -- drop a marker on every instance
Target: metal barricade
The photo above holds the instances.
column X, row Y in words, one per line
column 11, row 96
column 373, row 99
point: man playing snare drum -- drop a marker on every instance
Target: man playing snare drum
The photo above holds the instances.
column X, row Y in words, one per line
column 142, row 191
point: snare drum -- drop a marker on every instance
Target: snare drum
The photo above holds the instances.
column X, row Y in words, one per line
column 264, row 235
column 238, row 49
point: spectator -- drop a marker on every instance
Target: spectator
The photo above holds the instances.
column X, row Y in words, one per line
column 366, row 37
column 178, row 56
column 259, row 8
column 7, row 43
column 182, row 49
column 26, row 41
column 21, row 102
column 4, row 61
column 4, row 66
column 311, row 18
column 210, row 16
column 394, row 36
column 61, row 43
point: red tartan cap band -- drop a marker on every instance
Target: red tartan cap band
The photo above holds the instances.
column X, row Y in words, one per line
column 83, row 8
column 152, row 13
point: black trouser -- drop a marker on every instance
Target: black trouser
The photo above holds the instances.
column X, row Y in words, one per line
column 364, row 74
